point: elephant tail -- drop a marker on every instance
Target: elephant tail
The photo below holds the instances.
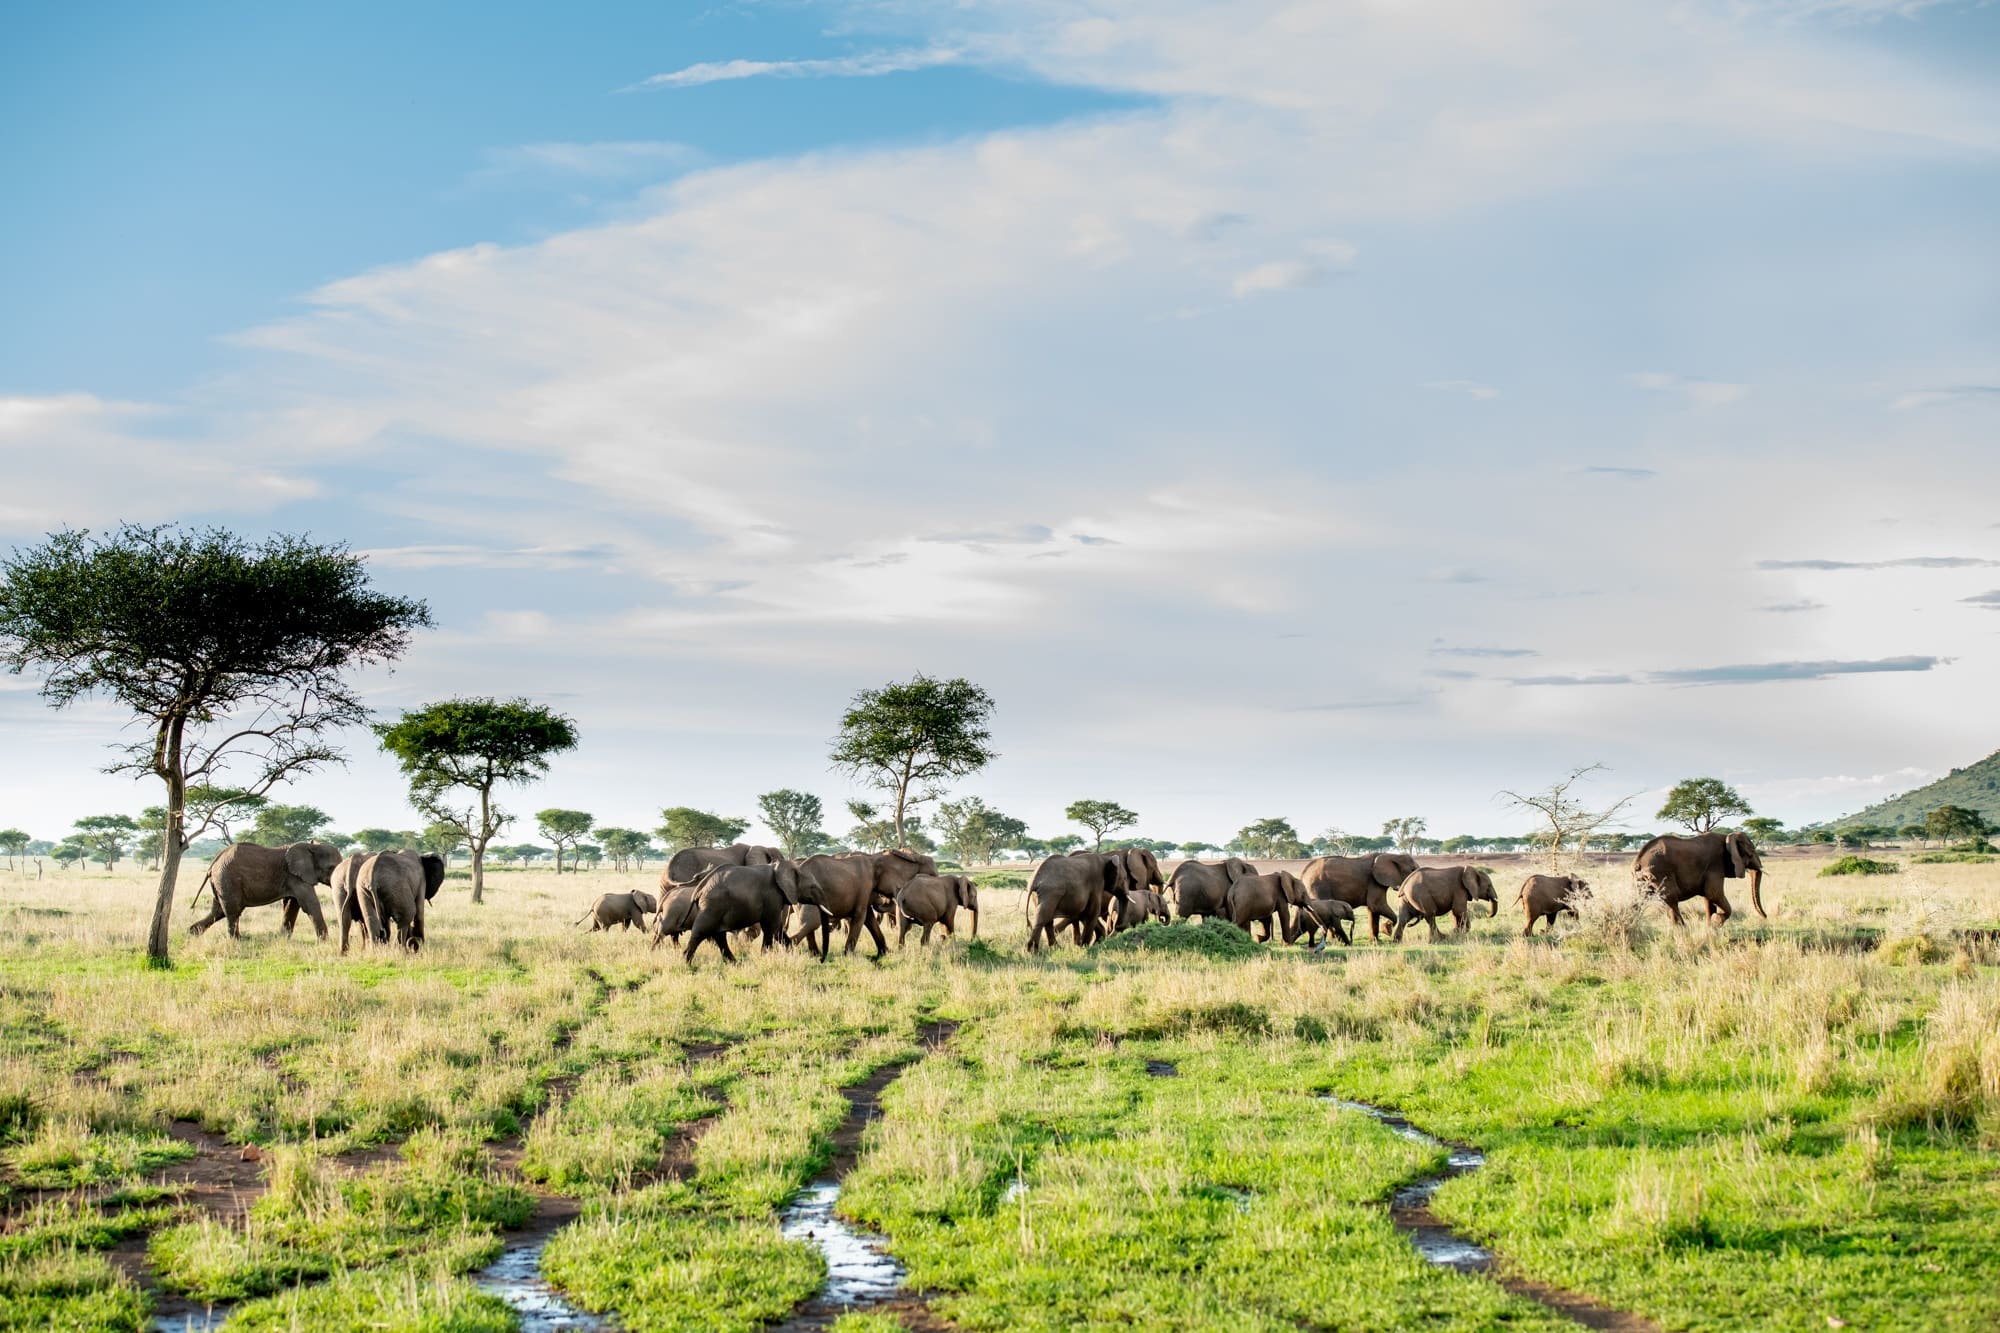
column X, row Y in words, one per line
column 207, row 882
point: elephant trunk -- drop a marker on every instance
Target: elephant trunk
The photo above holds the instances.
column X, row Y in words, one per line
column 975, row 921
column 1492, row 908
column 1757, row 890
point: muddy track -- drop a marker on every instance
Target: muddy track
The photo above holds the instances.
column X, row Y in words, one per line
column 877, row 1290
column 1436, row 1241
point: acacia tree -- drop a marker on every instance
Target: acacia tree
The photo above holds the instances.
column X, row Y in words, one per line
column 1405, row 832
column 1272, row 838
column 564, row 828
column 972, row 830
column 231, row 656
column 14, row 842
column 1568, row 823
column 909, row 737
column 279, row 825
column 474, row 745
column 794, row 819
column 104, row 836
column 622, row 845
column 684, row 826
column 1699, row 804
column 1102, row 818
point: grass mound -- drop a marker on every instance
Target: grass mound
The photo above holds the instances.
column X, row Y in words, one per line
column 1210, row 939
column 1861, row 865
column 1000, row 879
column 1953, row 858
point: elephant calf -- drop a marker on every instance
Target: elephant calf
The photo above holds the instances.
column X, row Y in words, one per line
column 1432, row 891
column 620, row 909
column 1330, row 915
column 1260, row 898
column 1547, row 895
column 934, row 900
column 1140, row 906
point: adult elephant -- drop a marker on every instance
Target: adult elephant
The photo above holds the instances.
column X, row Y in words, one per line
column 1698, row 867
column 857, row 887
column 247, row 874
column 1199, row 886
column 1077, row 890
column 687, row 864
column 934, row 900
column 395, row 888
column 746, row 897
column 1259, row 898
column 346, row 885
column 1433, row 891
column 1549, row 895
column 1360, row 881
column 620, row 909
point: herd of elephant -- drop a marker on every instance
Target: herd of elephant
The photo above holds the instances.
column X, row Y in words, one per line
column 708, row 893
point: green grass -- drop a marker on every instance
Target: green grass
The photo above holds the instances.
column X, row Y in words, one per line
column 408, row 1300
column 1210, row 939
column 1861, row 865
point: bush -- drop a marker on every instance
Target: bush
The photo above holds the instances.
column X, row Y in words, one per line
column 1861, row 865
column 999, row 879
column 1615, row 917
column 1210, row 939
column 1952, row 858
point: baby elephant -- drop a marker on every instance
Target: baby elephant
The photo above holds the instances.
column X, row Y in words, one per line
column 1140, row 906
column 934, row 900
column 620, row 909
column 1546, row 895
column 1432, row 891
column 1331, row 915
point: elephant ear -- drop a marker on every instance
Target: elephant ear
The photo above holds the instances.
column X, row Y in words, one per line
column 301, row 867
column 1384, row 872
column 787, row 876
column 433, row 875
column 1295, row 889
column 1236, row 868
column 1734, row 842
column 1469, row 878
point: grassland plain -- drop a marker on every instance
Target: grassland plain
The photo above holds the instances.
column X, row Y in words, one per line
column 1753, row 1129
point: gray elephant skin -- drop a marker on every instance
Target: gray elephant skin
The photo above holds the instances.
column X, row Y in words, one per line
column 1258, row 899
column 858, row 888
column 247, row 874
column 1139, row 907
column 395, row 888
column 1081, row 889
column 746, row 897
column 1360, row 881
column 933, row 900
column 1432, row 891
column 1698, row 867
column 1198, row 886
column 620, row 909
column 689, row 863
column 1549, row 895
column 1331, row 915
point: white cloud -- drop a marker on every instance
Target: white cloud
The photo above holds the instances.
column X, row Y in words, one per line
column 1957, row 393
column 1470, row 388
column 1701, row 393
column 867, row 64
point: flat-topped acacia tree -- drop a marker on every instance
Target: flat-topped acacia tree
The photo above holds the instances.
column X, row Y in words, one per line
column 908, row 737
column 474, row 745
column 232, row 656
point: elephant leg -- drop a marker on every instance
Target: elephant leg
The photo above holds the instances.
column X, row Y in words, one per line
column 722, row 943
column 346, row 920
column 291, row 916
column 1674, row 911
column 1346, row 937
column 853, row 932
column 313, row 911
column 924, row 938
column 903, row 935
column 235, row 929
column 875, row 932
column 1717, row 894
column 1403, row 915
column 215, row 914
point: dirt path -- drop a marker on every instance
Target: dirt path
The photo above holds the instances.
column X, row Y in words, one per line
column 860, row 1276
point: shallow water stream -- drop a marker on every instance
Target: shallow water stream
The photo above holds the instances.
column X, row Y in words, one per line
column 858, row 1272
column 1410, row 1209
column 516, row 1278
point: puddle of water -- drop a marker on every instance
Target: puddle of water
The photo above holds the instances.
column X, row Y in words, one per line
column 1014, row 1191
column 192, row 1321
column 516, row 1278
column 1162, row 1068
column 1433, row 1240
column 857, row 1271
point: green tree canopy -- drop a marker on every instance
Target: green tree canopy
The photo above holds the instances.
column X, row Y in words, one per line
column 873, row 831
column 564, row 828
column 232, row 657
column 1699, row 804
column 14, row 842
column 972, row 831
column 440, row 839
column 1762, row 827
column 623, row 845
column 909, row 737
column 1404, row 832
column 277, row 825
column 474, row 746
column 1102, row 818
column 104, row 838
column 373, row 840
column 794, row 820
column 1272, row 839
column 1063, row 844
column 1953, row 823
column 684, row 826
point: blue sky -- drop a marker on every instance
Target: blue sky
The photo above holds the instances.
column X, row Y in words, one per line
column 1303, row 409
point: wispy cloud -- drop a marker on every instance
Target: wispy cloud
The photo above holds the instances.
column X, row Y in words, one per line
column 445, row 556
column 1451, row 650
column 1456, row 575
column 1702, row 393
column 863, row 65
column 615, row 160
column 1956, row 393
column 1989, row 600
column 1790, row 608
column 1753, row 673
column 1907, row 562
column 1608, row 470
column 1470, row 388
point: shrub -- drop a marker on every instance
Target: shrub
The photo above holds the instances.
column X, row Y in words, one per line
column 1860, row 865
column 1952, row 858
column 1210, row 939
column 999, row 879
column 1615, row 917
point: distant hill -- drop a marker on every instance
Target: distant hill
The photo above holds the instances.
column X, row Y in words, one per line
column 1976, row 787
